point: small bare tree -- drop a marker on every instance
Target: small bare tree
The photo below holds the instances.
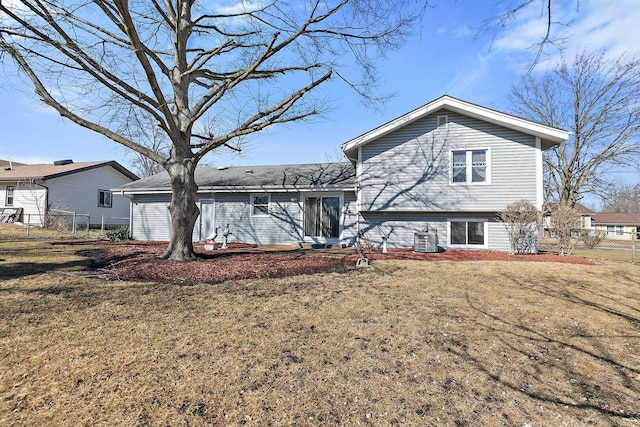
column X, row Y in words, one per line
column 565, row 220
column 522, row 221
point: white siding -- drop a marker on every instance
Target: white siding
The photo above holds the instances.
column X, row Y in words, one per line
column 31, row 198
column 79, row 192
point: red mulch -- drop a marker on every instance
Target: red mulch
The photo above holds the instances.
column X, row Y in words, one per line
column 139, row 261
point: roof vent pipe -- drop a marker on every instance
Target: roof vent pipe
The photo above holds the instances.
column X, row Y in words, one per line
column 63, row 162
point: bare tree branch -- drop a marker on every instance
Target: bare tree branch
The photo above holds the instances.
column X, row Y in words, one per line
column 596, row 99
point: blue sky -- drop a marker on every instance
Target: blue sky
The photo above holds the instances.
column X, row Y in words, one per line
column 446, row 55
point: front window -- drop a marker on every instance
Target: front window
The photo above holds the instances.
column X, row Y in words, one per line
column 468, row 233
column 104, row 198
column 9, row 198
column 615, row 230
column 260, row 205
column 469, row 166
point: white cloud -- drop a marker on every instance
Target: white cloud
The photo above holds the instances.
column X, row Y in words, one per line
column 592, row 25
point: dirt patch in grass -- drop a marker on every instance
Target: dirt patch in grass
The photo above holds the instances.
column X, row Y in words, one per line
column 139, row 261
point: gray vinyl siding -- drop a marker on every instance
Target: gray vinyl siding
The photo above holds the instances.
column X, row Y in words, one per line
column 402, row 226
column 409, row 169
column 150, row 218
column 281, row 226
column 350, row 219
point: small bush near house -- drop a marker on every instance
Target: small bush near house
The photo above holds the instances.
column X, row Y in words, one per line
column 591, row 238
column 117, row 234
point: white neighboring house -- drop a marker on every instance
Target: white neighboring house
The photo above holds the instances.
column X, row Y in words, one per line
column 29, row 191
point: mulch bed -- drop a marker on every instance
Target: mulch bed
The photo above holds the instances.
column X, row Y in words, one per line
column 138, row 261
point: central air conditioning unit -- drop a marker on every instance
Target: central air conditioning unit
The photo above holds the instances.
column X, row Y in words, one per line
column 425, row 242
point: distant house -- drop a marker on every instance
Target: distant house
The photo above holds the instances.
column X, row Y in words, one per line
column 585, row 220
column 617, row 225
column 29, row 191
column 447, row 167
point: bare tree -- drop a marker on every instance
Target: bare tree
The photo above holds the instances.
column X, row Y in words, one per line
column 142, row 128
column 239, row 68
column 597, row 100
column 565, row 221
column 623, row 198
column 522, row 221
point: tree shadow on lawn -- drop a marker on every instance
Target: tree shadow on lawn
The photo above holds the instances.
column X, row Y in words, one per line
column 24, row 269
column 568, row 363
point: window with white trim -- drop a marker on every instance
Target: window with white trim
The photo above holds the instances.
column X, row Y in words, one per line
column 442, row 121
column 470, row 166
column 104, row 198
column 9, row 197
column 468, row 233
column 615, row 230
column 260, row 204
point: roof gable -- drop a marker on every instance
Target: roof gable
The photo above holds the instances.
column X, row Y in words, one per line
column 550, row 136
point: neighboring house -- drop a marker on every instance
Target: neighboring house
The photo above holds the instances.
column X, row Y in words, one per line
column 585, row 220
column 617, row 225
column 82, row 187
column 449, row 166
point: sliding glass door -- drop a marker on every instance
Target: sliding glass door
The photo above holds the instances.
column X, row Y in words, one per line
column 322, row 217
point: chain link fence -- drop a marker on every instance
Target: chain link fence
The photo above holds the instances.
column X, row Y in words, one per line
column 620, row 247
column 60, row 224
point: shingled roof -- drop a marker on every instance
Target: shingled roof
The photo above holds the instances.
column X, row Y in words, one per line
column 611, row 218
column 327, row 176
column 23, row 172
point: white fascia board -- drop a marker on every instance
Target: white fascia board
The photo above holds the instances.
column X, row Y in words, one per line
column 485, row 114
column 240, row 189
column 310, row 188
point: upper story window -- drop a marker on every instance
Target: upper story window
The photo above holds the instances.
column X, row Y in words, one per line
column 470, row 166
column 442, row 121
column 9, row 198
column 104, row 198
column 260, row 204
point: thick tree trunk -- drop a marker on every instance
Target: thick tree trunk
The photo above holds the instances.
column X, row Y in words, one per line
column 184, row 212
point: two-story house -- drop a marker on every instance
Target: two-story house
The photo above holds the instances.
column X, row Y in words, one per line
column 449, row 166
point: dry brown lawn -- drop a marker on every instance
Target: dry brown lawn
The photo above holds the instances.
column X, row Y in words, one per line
column 399, row 343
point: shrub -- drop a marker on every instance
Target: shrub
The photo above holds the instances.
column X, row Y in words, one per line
column 116, row 234
column 522, row 220
column 592, row 238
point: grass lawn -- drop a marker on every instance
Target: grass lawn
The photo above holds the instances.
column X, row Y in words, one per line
column 399, row 343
